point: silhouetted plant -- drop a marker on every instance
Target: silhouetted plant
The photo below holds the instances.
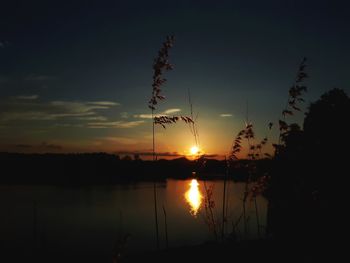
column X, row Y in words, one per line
column 160, row 66
column 254, row 153
column 193, row 123
column 209, row 207
column 166, row 228
column 294, row 99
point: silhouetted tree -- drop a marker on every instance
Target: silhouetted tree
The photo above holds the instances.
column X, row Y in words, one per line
column 326, row 125
column 307, row 187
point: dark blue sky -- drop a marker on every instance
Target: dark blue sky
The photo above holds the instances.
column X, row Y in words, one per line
column 76, row 75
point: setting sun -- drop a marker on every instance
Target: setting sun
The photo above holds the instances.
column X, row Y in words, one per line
column 194, row 150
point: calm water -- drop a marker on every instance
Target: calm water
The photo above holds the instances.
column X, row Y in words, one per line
column 88, row 221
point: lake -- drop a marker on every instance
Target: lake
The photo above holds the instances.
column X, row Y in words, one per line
column 87, row 222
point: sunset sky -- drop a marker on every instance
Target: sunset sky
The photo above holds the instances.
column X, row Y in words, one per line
column 75, row 76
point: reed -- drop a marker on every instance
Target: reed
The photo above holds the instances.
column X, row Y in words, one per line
column 160, row 66
column 295, row 94
column 166, row 228
column 255, row 149
column 209, row 206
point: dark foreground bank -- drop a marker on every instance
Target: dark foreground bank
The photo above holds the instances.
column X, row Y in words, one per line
column 246, row 251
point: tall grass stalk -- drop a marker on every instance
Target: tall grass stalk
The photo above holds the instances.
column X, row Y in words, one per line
column 155, row 183
column 192, row 125
column 209, row 205
column 294, row 98
column 257, row 216
column 160, row 65
column 224, row 206
column 166, row 228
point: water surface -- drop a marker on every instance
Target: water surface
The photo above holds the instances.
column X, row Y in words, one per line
column 88, row 221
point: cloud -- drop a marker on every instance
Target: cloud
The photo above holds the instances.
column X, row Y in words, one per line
column 115, row 124
column 43, row 145
column 68, row 125
column 149, row 153
column 164, row 113
column 124, row 115
column 210, row 155
column 169, row 111
column 104, row 103
column 129, row 124
column 30, row 108
column 27, row 97
column 77, row 106
column 120, row 140
column 225, row 115
column 143, row 116
column 93, row 118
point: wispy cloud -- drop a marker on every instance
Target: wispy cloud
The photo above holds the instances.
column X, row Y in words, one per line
column 30, row 108
column 150, row 153
column 130, row 124
column 68, row 125
column 43, row 145
column 225, row 115
column 93, row 118
column 124, row 115
column 164, row 113
column 27, row 97
column 115, row 124
column 143, row 116
column 170, row 111
column 120, row 140
column 104, row 103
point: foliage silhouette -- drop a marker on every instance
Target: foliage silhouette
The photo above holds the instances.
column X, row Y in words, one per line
column 306, row 194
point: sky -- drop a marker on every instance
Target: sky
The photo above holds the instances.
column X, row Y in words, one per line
column 75, row 76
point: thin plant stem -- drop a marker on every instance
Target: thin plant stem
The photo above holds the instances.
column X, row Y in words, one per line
column 166, row 228
column 244, row 217
column 257, row 216
column 193, row 127
column 211, row 212
column 155, row 185
column 227, row 202
column 223, row 206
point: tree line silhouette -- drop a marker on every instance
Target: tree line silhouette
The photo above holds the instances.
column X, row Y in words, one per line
column 307, row 188
column 104, row 168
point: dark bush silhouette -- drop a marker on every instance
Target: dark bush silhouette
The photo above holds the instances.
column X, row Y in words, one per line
column 306, row 193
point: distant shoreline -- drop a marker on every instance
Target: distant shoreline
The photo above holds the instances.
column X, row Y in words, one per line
column 103, row 168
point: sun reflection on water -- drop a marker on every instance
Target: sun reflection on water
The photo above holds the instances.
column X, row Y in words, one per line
column 194, row 197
